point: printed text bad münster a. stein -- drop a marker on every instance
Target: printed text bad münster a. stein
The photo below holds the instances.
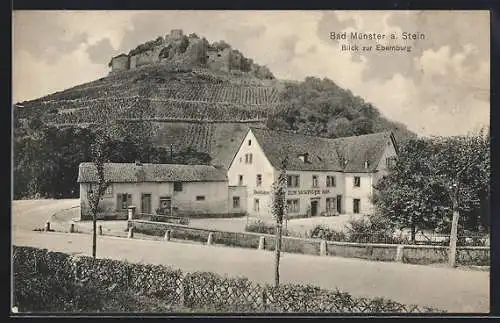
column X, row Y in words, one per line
column 376, row 36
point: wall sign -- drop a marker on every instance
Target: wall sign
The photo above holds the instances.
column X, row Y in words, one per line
column 295, row 192
column 309, row 192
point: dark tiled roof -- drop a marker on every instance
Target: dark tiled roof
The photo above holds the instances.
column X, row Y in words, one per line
column 347, row 154
column 132, row 173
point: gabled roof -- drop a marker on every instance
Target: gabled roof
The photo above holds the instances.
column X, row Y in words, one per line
column 347, row 154
column 132, row 173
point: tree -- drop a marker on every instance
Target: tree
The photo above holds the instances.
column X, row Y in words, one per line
column 278, row 206
column 94, row 195
column 434, row 179
column 463, row 177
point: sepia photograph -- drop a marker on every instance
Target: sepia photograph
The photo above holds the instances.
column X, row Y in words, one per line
column 250, row 162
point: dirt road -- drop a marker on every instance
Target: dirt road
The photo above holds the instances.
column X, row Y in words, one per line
column 455, row 290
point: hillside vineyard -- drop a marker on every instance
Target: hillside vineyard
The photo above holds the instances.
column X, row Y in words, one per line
column 180, row 100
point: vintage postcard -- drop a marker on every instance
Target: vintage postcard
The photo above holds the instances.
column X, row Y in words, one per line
column 209, row 162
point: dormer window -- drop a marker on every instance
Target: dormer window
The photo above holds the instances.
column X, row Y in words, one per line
column 304, row 157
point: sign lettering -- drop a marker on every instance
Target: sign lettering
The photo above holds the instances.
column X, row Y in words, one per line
column 309, row 192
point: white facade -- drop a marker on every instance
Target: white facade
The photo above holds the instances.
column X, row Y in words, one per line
column 244, row 170
column 352, row 192
column 192, row 198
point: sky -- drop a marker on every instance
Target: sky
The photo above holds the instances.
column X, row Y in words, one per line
column 440, row 87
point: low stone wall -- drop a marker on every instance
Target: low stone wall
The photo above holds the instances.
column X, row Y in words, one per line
column 414, row 254
column 372, row 251
column 473, row 256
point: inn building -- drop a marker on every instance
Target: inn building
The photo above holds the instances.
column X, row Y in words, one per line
column 324, row 176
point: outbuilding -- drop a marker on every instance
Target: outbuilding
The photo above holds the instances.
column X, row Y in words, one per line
column 169, row 189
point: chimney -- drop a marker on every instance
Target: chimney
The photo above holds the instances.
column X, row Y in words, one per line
column 138, row 162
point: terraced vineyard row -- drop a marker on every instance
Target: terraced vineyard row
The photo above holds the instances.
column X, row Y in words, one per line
column 251, row 95
column 207, row 111
column 96, row 91
column 100, row 110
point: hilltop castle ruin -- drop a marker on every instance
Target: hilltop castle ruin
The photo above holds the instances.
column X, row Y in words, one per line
column 191, row 50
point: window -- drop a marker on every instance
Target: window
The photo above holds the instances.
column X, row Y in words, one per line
column 293, row 181
column 355, row 205
column 259, row 179
column 200, row 198
column 330, row 181
column 357, row 181
column 330, row 204
column 256, row 206
column 292, row 206
column 315, row 181
column 109, row 190
column 177, row 186
column 249, row 142
column 240, row 180
column 248, row 158
column 236, row 202
column 123, row 201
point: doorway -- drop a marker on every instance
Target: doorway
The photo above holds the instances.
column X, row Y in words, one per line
column 314, row 208
column 339, row 204
column 146, row 203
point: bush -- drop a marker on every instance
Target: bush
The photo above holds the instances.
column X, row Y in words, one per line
column 371, row 230
column 323, row 232
column 260, row 226
column 56, row 282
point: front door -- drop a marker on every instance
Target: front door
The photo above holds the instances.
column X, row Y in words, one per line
column 339, row 204
column 146, row 203
column 314, row 208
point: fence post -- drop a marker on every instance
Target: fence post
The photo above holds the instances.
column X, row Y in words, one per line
column 131, row 212
column 210, row 239
column 130, row 233
column 47, row 226
column 322, row 248
column 182, row 292
column 399, row 253
column 261, row 243
column 72, row 227
column 167, row 235
column 264, row 298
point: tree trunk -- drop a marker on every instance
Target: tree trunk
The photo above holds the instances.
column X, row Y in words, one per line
column 413, row 232
column 94, row 235
column 453, row 235
column 277, row 252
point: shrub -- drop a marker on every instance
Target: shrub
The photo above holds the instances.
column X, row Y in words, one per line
column 56, row 282
column 323, row 232
column 371, row 230
column 260, row 226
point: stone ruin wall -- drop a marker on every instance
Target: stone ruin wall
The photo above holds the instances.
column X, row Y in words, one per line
column 222, row 60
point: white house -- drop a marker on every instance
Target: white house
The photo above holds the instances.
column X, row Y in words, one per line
column 325, row 176
column 192, row 190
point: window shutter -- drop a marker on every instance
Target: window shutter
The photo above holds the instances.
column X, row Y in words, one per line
column 129, row 200
column 118, row 201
